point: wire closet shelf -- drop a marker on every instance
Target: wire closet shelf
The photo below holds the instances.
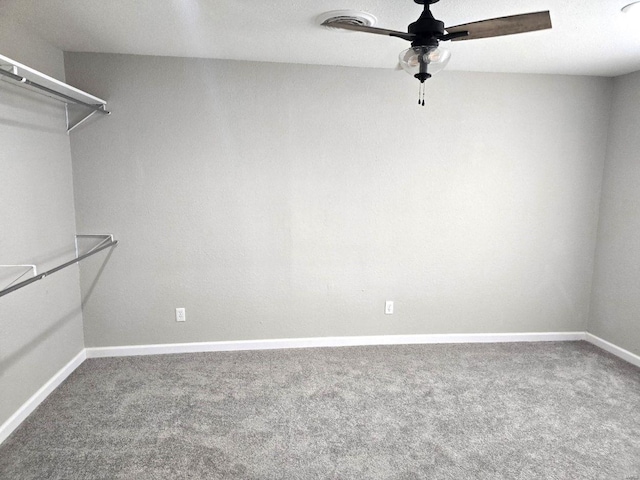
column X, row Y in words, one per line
column 106, row 241
column 16, row 73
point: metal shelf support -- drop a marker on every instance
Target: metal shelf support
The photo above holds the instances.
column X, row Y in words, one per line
column 27, row 269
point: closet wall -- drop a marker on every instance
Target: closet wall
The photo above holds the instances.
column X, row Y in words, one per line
column 40, row 325
column 615, row 301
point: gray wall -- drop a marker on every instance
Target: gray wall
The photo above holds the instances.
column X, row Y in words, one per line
column 40, row 325
column 615, row 302
column 278, row 201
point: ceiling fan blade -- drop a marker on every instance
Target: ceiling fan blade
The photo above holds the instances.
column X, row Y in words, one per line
column 364, row 28
column 495, row 27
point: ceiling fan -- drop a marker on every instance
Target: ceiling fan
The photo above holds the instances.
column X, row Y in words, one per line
column 425, row 58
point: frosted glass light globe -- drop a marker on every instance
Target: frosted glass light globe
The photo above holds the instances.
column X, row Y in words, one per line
column 434, row 58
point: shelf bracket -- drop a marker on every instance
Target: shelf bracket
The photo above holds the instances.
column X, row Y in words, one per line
column 26, row 268
column 71, row 125
column 104, row 239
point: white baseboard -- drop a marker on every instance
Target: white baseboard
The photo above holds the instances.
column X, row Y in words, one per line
column 614, row 349
column 37, row 398
column 125, row 351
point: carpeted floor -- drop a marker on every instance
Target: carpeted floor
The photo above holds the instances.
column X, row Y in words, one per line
column 481, row 411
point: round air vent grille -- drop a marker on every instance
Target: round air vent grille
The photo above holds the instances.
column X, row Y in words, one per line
column 353, row 17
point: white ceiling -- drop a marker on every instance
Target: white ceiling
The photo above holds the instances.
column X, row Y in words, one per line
column 589, row 37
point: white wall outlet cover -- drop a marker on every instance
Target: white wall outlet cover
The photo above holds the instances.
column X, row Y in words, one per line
column 388, row 307
column 181, row 315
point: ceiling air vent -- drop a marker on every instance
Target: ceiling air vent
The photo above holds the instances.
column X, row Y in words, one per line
column 353, row 17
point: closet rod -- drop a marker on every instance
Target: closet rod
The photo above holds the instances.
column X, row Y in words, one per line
column 40, row 276
column 26, row 81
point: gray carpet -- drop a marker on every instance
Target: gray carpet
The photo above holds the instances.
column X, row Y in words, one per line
column 500, row 411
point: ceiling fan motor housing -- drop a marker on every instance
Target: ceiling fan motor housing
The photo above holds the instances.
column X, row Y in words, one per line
column 427, row 29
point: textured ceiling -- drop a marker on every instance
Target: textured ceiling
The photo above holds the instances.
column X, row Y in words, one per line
column 589, row 37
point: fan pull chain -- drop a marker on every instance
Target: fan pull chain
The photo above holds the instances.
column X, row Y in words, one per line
column 421, row 90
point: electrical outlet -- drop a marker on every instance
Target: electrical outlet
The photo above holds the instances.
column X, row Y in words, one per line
column 388, row 307
column 181, row 315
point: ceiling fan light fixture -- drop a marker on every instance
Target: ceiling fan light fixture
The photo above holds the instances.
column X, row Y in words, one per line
column 435, row 59
column 425, row 58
